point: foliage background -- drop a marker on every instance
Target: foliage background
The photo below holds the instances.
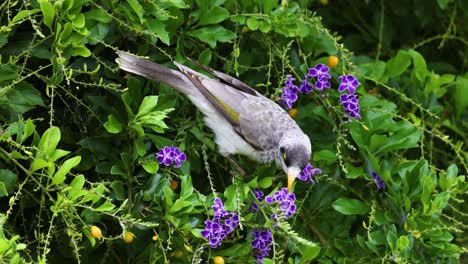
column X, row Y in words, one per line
column 78, row 136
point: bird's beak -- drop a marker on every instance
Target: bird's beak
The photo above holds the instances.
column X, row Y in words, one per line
column 292, row 175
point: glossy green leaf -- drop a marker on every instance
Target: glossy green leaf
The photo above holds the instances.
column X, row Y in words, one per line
column 49, row 13
column 113, row 125
column 213, row 34
column 64, row 169
column 349, row 206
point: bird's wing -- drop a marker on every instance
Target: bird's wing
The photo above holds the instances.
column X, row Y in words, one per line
column 224, row 98
column 227, row 79
column 263, row 122
column 258, row 120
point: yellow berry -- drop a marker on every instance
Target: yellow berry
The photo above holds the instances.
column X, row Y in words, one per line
column 292, row 113
column 96, row 232
column 155, row 237
column 332, row 61
column 174, row 184
column 188, row 247
column 218, row 260
column 324, row 2
column 128, row 237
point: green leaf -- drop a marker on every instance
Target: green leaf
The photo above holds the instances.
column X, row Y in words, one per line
column 137, row 8
column 38, row 164
column 151, row 166
column 29, row 129
column 119, row 190
column 49, row 13
column 214, row 15
column 402, row 242
column 265, row 182
column 76, row 188
column 105, row 207
column 443, row 4
column 49, row 141
column 178, row 205
column 397, row 65
column 309, row 253
column 349, row 206
column 213, row 34
column 253, row 23
column 148, row 104
column 325, row 155
column 420, row 68
column 205, row 57
column 98, row 14
column 158, row 28
column 113, row 125
column 69, row 164
column 460, row 97
column 24, row 14
column 187, row 187
column 8, row 179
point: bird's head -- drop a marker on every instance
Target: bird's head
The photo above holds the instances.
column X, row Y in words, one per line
column 294, row 153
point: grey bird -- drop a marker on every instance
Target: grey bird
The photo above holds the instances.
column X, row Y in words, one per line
column 243, row 120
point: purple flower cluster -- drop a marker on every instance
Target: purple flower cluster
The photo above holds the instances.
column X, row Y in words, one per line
column 349, row 101
column 308, row 172
column 262, row 241
column 289, row 95
column 169, row 155
column 320, row 73
column 378, row 181
column 286, row 202
column 259, row 195
column 223, row 224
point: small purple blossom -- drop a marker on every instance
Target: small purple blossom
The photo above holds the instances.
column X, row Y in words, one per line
column 348, row 82
column 259, row 194
column 351, row 105
column 285, row 200
column 289, row 95
column 169, row 155
column 306, row 87
column 403, row 218
column 261, row 242
column 322, row 75
column 349, row 101
column 223, row 224
column 378, row 181
column 308, row 172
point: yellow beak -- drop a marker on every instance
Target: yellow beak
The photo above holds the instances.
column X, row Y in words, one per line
column 291, row 179
column 292, row 175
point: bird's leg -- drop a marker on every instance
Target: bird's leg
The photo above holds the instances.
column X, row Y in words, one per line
column 236, row 166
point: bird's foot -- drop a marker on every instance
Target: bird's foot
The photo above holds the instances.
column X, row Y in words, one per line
column 239, row 170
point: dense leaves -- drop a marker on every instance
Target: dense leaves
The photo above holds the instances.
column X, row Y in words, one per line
column 79, row 138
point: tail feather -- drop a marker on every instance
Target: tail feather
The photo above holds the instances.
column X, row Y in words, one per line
column 154, row 71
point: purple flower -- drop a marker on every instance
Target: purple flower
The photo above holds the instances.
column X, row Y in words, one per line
column 307, row 173
column 378, row 181
column 349, row 101
column 285, row 200
column 262, row 241
column 289, row 95
column 403, row 218
column 258, row 194
column 351, row 105
column 348, row 82
column 320, row 72
column 223, row 224
column 169, row 155
column 306, row 87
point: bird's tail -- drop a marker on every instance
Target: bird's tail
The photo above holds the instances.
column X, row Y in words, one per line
column 154, row 71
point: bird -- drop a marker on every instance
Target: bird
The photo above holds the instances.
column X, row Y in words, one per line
column 243, row 120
